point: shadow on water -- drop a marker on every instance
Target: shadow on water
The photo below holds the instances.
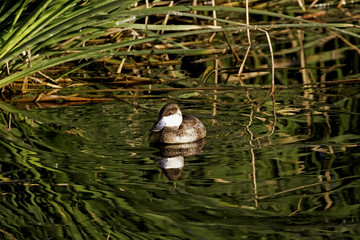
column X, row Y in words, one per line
column 89, row 171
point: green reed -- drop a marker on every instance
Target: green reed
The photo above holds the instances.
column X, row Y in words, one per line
column 37, row 35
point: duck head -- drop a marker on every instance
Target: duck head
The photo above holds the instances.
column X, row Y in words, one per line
column 170, row 116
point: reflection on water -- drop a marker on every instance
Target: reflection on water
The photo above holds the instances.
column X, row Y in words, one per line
column 88, row 172
column 172, row 156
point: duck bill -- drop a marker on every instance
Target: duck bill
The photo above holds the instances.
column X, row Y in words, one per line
column 158, row 126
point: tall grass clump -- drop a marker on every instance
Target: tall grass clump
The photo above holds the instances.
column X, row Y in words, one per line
column 40, row 34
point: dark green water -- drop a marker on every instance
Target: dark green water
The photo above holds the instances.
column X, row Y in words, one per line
column 88, row 172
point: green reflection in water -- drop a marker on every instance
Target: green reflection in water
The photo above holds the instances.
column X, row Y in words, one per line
column 93, row 174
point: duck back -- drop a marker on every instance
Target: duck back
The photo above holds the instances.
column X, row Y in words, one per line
column 190, row 130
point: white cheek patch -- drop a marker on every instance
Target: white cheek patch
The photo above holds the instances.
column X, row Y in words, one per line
column 172, row 120
column 174, row 162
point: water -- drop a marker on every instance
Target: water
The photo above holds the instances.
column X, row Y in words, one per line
column 88, row 171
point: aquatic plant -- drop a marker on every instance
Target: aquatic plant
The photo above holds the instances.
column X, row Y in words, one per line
column 39, row 35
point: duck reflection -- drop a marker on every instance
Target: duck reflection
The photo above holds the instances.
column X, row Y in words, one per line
column 171, row 156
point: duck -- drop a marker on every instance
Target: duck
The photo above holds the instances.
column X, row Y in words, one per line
column 173, row 127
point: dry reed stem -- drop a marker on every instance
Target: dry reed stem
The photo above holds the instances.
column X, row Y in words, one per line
column 272, row 64
column 54, row 98
column 147, row 17
column 274, row 114
column 232, row 49
column 46, row 76
column 215, row 22
column 167, row 17
column 9, row 124
column 118, row 71
column 298, row 206
column 248, row 37
column 249, row 47
column 45, row 83
column 302, row 5
column 345, row 41
column 304, row 187
column 303, row 71
column 7, row 68
column 253, row 162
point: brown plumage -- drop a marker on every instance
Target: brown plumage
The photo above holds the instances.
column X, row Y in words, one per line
column 173, row 127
